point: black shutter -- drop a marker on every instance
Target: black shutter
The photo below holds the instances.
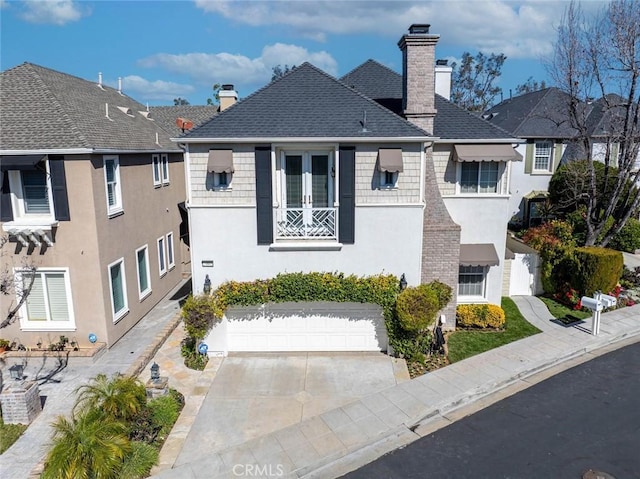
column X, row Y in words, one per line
column 6, row 211
column 264, row 201
column 59, row 188
column 346, row 213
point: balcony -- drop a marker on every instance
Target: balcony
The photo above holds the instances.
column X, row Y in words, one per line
column 306, row 223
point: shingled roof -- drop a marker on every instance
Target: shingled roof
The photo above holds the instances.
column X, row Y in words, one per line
column 306, row 103
column 44, row 109
column 539, row 114
column 451, row 122
column 166, row 116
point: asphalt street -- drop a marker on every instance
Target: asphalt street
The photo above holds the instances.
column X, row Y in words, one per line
column 585, row 418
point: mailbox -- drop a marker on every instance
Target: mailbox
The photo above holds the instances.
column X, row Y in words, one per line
column 591, row 303
column 608, row 301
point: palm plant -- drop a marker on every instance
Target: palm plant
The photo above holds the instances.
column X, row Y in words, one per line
column 139, row 461
column 87, row 446
column 120, row 397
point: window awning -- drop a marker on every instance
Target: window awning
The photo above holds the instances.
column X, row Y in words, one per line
column 220, row 161
column 390, row 159
column 503, row 152
column 19, row 162
column 482, row 254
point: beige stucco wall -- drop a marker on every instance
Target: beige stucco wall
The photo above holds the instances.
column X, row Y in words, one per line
column 90, row 241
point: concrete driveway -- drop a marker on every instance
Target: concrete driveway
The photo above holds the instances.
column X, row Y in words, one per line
column 256, row 394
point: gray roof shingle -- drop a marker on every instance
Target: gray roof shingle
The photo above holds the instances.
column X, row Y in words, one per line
column 451, row 122
column 43, row 109
column 306, row 103
column 166, row 116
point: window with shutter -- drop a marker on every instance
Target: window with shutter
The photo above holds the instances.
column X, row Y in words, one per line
column 48, row 305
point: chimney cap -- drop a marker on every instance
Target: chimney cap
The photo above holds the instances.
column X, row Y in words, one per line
column 227, row 86
column 443, row 62
column 419, row 28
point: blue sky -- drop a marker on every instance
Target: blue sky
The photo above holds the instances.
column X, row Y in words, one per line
column 168, row 49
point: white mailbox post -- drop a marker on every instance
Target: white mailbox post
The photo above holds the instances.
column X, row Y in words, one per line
column 597, row 304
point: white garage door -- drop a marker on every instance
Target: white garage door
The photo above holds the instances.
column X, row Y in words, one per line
column 307, row 327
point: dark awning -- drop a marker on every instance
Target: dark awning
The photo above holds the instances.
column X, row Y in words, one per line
column 220, row 161
column 390, row 159
column 502, row 152
column 483, row 254
column 19, row 162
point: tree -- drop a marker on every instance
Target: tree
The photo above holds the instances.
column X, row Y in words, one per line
column 18, row 286
column 180, row 101
column 472, row 83
column 120, row 397
column 529, row 86
column 593, row 56
column 216, row 95
column 279, row 71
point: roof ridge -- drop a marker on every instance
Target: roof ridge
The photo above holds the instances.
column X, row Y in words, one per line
column 33, row 68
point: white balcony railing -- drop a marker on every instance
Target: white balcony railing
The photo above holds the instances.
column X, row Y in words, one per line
column 306, row 223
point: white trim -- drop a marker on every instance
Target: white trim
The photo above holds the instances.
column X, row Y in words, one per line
column 305, row 245
column 82, row 151
column 423, row 165
column 20, row 214
column 146, row 292
column 117, row 315
column 314, row 140
column 171, row 258
column 164, row 162
column 162, row 256
column 48, row 325
column 390, row 205
column 473, row 298
column 117, row 207
column 187, row 175
column 155, row 162
column 441, row 141
column 192, row 206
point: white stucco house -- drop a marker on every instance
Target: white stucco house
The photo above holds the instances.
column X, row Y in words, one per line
column 371, row 173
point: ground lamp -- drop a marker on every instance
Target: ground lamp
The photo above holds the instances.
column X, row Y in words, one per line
column 403, row 282
column 207, row 285
column 155, row 372
column 16, row 371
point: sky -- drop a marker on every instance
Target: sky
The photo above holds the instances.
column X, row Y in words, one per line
column 168, row 49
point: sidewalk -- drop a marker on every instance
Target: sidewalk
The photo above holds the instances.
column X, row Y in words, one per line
column 343, row 439
column 130, row 355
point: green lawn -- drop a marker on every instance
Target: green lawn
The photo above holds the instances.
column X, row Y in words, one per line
column 465, row 343
column 9, row 433
column 562, row 313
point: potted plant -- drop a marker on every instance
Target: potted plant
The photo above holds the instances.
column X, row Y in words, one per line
column 4, row 345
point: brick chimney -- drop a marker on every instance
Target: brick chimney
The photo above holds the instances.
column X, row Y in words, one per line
column 228, row 96
column 418, row 75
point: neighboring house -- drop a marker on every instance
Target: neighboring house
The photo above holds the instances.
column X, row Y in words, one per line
column 541, row 118
column 315, row 174
column 90, row 193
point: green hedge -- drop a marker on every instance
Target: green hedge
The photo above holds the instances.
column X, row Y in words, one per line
column 596, row 269
column 480, row 316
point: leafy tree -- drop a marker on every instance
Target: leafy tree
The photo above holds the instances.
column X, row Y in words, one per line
column 216, row 95
column 472, row 83
column 86, row 446
column 180, row 101
column 529, row 86
column 592, row 56
column 280, row 71
column 120, row 397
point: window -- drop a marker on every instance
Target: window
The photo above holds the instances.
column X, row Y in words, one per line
column 165, row 169
column 157, row 181
column 222, row 180
column 479, row 176
column 33, row 191
column 170, row 252
column 388, row 179
column 162, row 263
column 471, row 281
column 542, row 156
column 118, row 289
column 112, row 180
column 142, row 263
column 48, row 305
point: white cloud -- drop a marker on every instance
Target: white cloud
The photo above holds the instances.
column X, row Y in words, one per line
column 209, row 68
column 138, row 87
column 55, row 12
column 519, row 29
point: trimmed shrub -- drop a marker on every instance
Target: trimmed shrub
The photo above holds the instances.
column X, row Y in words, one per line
column 480, row 316
column 200, row 313
column 417, row 308
column 628, row 238
column 596, row 269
